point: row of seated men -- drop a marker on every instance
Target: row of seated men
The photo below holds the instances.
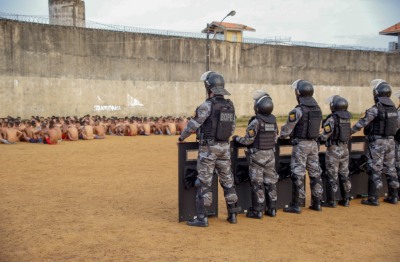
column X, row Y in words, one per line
column 53, row 129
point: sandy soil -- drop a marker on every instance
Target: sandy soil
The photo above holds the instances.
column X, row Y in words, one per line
column 117, row 200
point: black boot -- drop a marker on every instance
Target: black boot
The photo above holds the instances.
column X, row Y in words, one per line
column 200, row 221
column 370, row 201
column 372, row 195
column 271, row 209
column 233, row 209
column 254, row 213
column 294, row 206
column 393, row 196
column 270, row 206
column 344, row 202
column 316, row 204
column 330, row 197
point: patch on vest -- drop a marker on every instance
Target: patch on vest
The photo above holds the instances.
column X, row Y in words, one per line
column 227, row 117
column 292, row 117
column 251, row 133
column 327, row 129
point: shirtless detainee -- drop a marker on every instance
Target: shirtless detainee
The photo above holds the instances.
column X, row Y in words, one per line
column 50, row 135
column 10, row 135
column 99, row 130
column 86, row 131
column 131, row 128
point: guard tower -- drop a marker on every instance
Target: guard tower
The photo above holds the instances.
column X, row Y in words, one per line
column 227, row 31
column 394, row 30
column 67, row 12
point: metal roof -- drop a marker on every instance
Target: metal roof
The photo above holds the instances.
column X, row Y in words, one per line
column 218, row 26
column 393, row 30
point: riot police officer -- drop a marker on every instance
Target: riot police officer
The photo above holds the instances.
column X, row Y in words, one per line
column 214, row 124
column 380, row 124
column 336, row 133
column 303, row 127
column 397, row 146
column 261, row 136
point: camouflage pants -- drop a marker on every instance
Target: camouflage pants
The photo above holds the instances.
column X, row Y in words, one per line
column 305, row 157
column 397, row 147
column 262, row 172
column 381, row 160
column 337, row 163
column 216, row 157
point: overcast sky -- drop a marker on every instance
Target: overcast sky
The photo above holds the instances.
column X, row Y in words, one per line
column 340, row 22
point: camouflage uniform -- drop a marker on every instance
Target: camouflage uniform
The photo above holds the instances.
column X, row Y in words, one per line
column 336, row 160
column 261, row 166
column 212, row 156
column 381, row 156
column 397, row 153
column 304, row 156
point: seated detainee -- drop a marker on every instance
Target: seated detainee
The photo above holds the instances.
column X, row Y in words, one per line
column 131, row 128
column 32, row 133
column 157, row 126
column 86, row 131
column 72, row 132
column 119, row 129
column 110, row 127
column 50, row 134
column 21, row 127
column 10, row 135
column 98, row 130
column 57, row 127
column 169, row 127
column 145, row 128
column 181, row 124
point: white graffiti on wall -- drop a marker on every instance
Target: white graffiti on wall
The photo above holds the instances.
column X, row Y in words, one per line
column 106, row 108
column 132, row 102
column 34, row 109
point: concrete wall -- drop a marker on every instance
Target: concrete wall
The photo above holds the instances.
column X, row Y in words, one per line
column 57, row 70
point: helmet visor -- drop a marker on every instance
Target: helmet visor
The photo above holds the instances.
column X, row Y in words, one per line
column 203, row 77
column 258, row 94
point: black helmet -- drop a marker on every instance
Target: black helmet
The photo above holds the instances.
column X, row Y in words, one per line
column 303, row 88
column 264, row 105
column 338, row 103
column 214, row 83
column 383, row 90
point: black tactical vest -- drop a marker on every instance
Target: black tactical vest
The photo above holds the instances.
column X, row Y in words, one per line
column 397, row 136
column 265, row 138
column 309, row 125
column 385, row 124
column 342, row 128
column 220, row 124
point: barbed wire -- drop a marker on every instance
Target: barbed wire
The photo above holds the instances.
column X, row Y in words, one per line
column 276, row 40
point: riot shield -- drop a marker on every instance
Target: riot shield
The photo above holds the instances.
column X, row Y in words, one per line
column 358, row 149
column 187, row 174
column 240, row 169
column 283, row 152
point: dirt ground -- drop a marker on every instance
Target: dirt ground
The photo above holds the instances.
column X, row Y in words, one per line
column 117, row 200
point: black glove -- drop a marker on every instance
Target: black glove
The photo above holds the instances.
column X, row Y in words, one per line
column 180, row 139
column 234, row 138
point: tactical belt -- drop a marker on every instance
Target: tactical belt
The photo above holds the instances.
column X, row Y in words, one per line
column 372, row 138
column 338, row 142
column 205, row 142
column 295, row 141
